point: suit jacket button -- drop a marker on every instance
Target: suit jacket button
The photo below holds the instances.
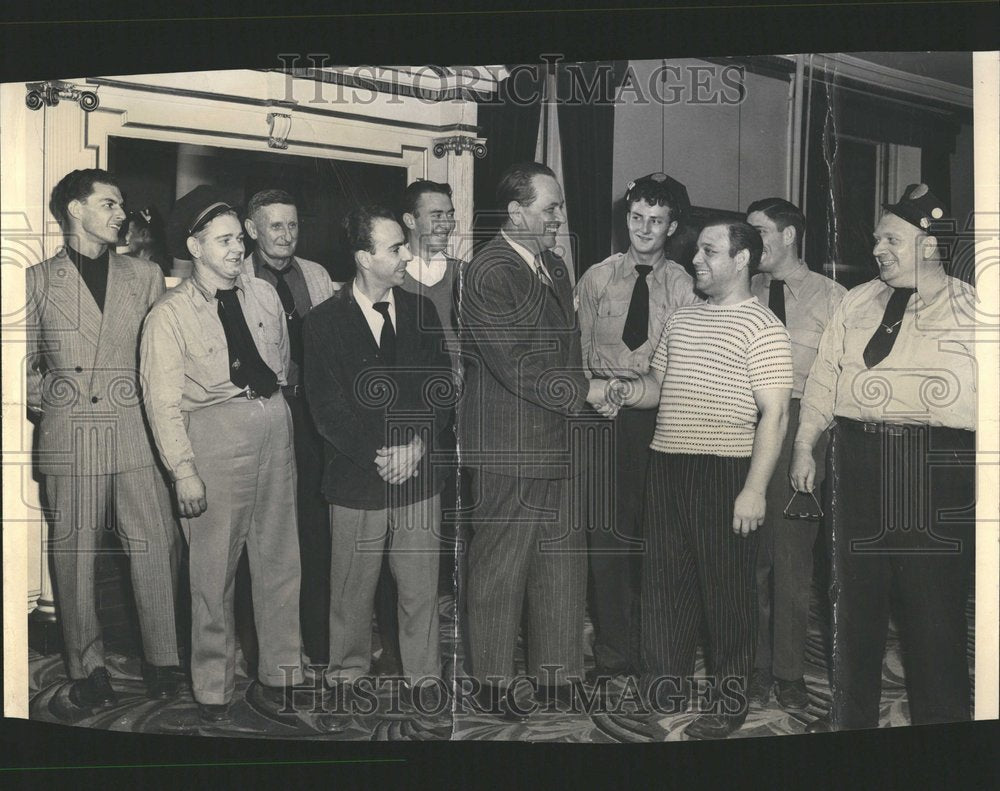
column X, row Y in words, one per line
column 78, row 369
column 94, row 399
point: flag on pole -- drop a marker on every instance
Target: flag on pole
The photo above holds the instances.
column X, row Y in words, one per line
column 548, row 151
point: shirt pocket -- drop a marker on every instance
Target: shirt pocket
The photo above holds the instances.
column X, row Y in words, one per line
column 858, row 331
column 610, row 322
column 208, row 358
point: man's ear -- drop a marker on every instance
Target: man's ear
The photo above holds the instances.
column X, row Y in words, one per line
column 929, row 248
column 514, row 213
column 75, row 208
column 251, row 227
column 194, row 246
column 362, row 259
column 742, row 259
column 672, row 228
column 409, row 221
column 788, row 236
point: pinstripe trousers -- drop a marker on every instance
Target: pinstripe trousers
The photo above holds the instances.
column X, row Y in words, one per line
column 524, row 544
column 696, row 568
column 137, row 502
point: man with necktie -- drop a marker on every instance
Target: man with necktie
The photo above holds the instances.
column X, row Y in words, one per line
column 623, row 303
column 85, row 310
column 804, row 301
column 381, row 392
column 523, row 384
column 272, row 221
column 213, row 357
column 895, row 375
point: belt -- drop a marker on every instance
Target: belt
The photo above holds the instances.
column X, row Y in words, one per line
column 893, row 429
column 293, row 391
column 251, row 395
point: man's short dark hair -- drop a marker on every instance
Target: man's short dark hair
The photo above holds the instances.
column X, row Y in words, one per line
column 655, row 194
column 782, row 214
column 743, row 236
column 78, row 185
column 268, row 198
column 410, row 199
column 359, row 223
column 515, row 183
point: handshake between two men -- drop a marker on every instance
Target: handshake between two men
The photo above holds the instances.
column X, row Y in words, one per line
column 607, row 396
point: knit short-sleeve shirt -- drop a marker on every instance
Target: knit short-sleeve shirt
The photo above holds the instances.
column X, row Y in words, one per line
column 714, row 358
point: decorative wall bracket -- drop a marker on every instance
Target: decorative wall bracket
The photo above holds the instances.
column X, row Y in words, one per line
column 279, row 124
column 458, row 144
column 49, row 93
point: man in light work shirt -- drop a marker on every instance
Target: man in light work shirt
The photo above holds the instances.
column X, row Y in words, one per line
column 213, row 356
column 273, row 223
column 718, row 365
column 623, row 303
column 804, row 301
column 895, row 375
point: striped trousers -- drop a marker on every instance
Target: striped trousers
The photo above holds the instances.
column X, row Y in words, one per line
column 524, row 545
column 697, row 569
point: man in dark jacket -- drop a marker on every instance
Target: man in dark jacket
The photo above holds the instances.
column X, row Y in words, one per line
column 380, row 390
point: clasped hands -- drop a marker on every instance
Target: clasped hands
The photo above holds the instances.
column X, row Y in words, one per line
column 399, row 463
column 607, row 396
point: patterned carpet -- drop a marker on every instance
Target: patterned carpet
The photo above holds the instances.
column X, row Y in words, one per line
column 254, row 716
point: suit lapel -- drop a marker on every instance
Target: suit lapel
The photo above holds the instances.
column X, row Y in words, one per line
column 119, row 302
column 556, row 268
column 355, row 323
column 69, row 295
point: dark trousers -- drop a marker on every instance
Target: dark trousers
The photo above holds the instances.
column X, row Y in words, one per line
column 903, row 524
column 314, row 534
column 615, row 539
column 697, row 568
column 785, row 567
column 524, row 547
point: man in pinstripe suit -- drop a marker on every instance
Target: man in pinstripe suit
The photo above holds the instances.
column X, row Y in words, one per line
column 523, row 384
column 722, row 376
column 85, row 308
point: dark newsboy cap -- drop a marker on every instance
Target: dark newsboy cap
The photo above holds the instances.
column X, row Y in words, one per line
column 192, row 213
column 918, row 206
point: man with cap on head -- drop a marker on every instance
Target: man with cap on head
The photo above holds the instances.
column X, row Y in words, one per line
column 804, row 301
column 214, row 353
column 272, row 221
column 623, row 303
column 85, row 310
column 895, row 375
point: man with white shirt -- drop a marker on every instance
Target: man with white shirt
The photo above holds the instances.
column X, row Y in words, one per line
column 372, row 381
column 272, row 221
column 428, row 218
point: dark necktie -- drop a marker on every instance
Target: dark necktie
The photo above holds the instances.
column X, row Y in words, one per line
column 637, row 321
column 543, row 275
column 776, row 299
column 292, row 316
column 880, row 345
column 387, row 340
column 246, row 367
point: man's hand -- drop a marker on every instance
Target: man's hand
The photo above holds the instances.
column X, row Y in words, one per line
column 191, row 500
column 597, row 397
column 399, row 463
column 802, row 469
column 748, row 511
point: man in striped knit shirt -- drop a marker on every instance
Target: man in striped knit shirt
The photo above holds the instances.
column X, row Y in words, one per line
column 722, row 377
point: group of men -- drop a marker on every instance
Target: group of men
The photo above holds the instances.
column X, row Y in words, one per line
column 717, row 393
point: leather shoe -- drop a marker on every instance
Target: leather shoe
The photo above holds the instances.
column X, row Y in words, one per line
column 213, row 712
column 595, row 674
column 387, row 665
column 332, row 723
column 94, row 690
column 714, row 726
column 791, row 695
column 161, row 682
column 759, row 692
column 822, row 725
column 559, row 697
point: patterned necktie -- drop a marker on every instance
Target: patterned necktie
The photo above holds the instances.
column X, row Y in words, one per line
column 292, row 317
column 880, row 345
column 776, row 299
column 637, row 321
column 387, row 339
column 543, row 276
column 246, row 367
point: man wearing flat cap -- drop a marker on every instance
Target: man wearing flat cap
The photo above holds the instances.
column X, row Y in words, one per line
column 895, row 376
column 213, row 356
column 623, row 304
